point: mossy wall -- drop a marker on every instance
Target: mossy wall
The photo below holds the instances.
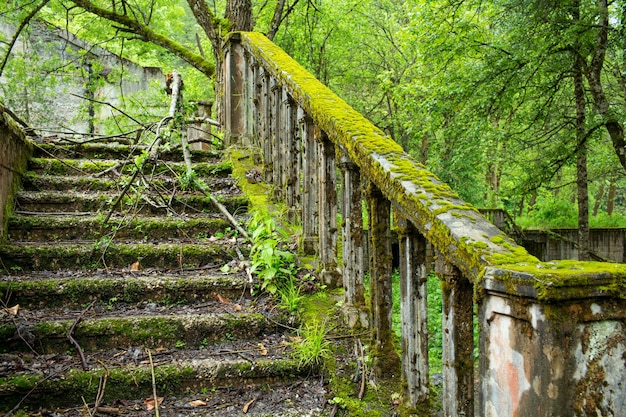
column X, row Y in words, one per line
column 14, row 153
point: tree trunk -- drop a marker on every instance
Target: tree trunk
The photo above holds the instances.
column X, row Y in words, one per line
column 611, row 203
column 594, row 76
column 599, row 195
column 584, row 253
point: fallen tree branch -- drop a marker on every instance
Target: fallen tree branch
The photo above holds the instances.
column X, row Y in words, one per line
column 154, row 391
column 110, row 105
column 73, row 341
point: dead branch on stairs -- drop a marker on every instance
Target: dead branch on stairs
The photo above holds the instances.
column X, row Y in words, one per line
column 73, row 341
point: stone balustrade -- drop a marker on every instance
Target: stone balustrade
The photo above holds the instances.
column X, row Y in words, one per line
column 552, row 336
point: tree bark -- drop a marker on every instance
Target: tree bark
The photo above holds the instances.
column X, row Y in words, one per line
column 599, row 195
column 611, row 199
column 593, row 74
column 584, row 253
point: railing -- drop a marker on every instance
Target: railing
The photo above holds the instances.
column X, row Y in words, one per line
column 543, row 327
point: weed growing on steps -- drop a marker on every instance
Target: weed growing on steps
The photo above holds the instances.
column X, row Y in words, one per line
column 273, row 264
column 313, row 347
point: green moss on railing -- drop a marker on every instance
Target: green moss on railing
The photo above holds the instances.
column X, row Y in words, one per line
column 455, row 228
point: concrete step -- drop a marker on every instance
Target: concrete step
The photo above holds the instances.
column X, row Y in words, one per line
column 139, row 202
column 78, row 288
column 151, row 326
column 195, row 372
column 35, row 182
column 51, row 228
column 48, row 166
column 89, row 255
column 116, row 151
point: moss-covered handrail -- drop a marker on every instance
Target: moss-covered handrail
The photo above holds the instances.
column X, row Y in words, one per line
column 455, row 228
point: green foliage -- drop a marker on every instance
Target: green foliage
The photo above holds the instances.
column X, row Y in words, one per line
column 551, row 213
column 314, row 346
column 274, row 265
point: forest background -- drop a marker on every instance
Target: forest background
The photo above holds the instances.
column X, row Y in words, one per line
column 516, row 104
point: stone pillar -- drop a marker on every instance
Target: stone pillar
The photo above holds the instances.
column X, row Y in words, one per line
column 265, row 117
column 199, row 132
column 235, row 101
column 328, row 213
column 458, row 340
column 352, row 239
column 291, row 182
column 554, row 355
column 276, row 92
column 310, row 185
column 385, row 359
column 414, row 311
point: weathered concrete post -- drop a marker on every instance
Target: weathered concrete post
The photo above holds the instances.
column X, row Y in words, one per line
column 385, row 359
column 199, row 131
column 552, row 348
column 235, row 101
column 310, row 185
column 291, row 154
column 265, row 118
column 328, row 213
column 458, row 340
column 414, row 311
column 352, row 238
column 276, row 93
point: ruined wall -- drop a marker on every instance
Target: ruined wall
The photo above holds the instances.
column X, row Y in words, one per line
column 14, row 153
column 607, row 244
column 56, row 103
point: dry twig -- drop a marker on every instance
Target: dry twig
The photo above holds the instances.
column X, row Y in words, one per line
column 73, row 341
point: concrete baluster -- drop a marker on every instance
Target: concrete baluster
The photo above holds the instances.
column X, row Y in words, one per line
column 414, row 312
column 328, row 213
column 458, row 340
column 310, row 185
column 352, row 238
column 385, row 359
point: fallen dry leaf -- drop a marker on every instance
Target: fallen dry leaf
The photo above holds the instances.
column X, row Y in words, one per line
column 222, row 299
column 262, row 349
column 135, row 266
column 149, row 403
column 247, row 406
column 197, row 403
column 13, row 310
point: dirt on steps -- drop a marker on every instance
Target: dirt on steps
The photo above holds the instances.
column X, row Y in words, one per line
column 107, row 316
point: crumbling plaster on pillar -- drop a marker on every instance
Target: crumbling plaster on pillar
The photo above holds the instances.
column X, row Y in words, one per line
column 508, row 376
column 600, row 374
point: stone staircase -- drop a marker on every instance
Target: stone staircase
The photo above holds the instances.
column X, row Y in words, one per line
column 109, row 302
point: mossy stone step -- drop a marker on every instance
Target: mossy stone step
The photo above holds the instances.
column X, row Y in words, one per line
column 152, row 331
column 200, row 375
column 85, row 167
column 34, row 292
column 117, row 151
column 59, row 201
column 65, row 227
column 35, row 182
column 62, row 255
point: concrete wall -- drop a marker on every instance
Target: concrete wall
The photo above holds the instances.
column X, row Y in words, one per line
column 57, row 106
column 14, row 153
column 606, row 244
